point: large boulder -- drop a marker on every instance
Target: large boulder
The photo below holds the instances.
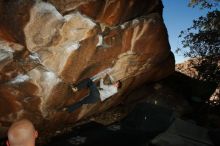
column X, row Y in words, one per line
column 45, row 46
column 110, row 12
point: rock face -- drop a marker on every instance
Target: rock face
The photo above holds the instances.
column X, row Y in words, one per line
column 188, row 68
column 44, row 46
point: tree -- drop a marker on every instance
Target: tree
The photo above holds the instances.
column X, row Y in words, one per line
column 204, row 3
column 202, row 41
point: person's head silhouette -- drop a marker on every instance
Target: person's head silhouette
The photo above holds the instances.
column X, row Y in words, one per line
column 22, row 133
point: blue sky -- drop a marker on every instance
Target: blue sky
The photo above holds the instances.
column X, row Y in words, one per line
column 178, row 16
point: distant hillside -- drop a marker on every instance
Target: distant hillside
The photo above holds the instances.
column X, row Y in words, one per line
column 187, row 68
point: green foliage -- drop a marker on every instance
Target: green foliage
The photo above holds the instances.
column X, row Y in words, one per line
column 202, row 41
column 203, row 38
column 204, row 3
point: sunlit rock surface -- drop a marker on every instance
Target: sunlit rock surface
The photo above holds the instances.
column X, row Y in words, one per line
column 45, row 46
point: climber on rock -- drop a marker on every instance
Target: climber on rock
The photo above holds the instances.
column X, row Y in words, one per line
column 100, row 93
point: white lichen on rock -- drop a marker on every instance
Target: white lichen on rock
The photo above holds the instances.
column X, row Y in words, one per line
column 19, row 79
